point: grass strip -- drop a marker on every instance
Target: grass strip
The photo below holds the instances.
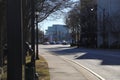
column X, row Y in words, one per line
column 42, row 69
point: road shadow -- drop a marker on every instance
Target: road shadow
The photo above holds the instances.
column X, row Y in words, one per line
column 67, row 51
column 107, row 57
column 106, row 60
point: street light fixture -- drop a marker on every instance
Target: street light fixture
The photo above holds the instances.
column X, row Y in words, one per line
column 91, row 9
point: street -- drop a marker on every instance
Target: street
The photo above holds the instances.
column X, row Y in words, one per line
column 103, row 62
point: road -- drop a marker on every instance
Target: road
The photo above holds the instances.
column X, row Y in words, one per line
column 103, row 62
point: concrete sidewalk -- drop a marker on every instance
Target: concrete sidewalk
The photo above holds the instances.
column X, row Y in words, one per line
column 60, row 69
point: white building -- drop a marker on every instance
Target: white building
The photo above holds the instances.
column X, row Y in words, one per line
column 58, row 33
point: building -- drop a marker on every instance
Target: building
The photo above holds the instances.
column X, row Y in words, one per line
column 108, row 12
column 58, row 33
column 107, row 28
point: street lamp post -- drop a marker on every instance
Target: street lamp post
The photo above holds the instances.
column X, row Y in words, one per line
column 94, row 29
column 37, row 56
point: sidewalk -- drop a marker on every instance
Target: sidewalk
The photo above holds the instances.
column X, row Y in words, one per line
column 60, row 69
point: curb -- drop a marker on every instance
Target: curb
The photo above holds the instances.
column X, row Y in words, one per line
column 92, row 72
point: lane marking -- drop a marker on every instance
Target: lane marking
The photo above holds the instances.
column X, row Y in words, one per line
column 95, row 74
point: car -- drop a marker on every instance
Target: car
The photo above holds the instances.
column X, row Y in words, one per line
column 53, row 42
column 46, row 43
column 64, row 42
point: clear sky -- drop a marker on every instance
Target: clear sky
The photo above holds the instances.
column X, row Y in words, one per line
column 47, row 23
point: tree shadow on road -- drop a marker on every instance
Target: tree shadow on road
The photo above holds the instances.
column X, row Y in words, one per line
column 106, row 60
column 107, row 57
column 67, row 51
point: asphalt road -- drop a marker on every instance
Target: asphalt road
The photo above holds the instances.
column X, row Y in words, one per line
column 103, row 62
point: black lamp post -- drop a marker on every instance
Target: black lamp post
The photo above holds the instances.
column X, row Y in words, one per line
column 94, row 28
column 37, row 51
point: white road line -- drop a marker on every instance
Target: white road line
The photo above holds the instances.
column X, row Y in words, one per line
column 98, row 76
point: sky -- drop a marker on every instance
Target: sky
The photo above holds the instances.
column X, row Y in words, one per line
column 48, row 23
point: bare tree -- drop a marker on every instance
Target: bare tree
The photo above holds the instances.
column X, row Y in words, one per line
column 80, row 19
column 73, row 22
column 47, row 7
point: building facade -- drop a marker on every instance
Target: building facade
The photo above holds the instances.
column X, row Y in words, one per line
column 58, row 33
column 108, row 12
column 104, row 27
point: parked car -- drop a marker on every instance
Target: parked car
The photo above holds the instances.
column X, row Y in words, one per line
column 53, row 42
column 64, row 42
column 46, row 43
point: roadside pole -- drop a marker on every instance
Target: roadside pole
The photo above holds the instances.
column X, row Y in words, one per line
column 15, row 40
column 37, row 54
column 33, row 38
